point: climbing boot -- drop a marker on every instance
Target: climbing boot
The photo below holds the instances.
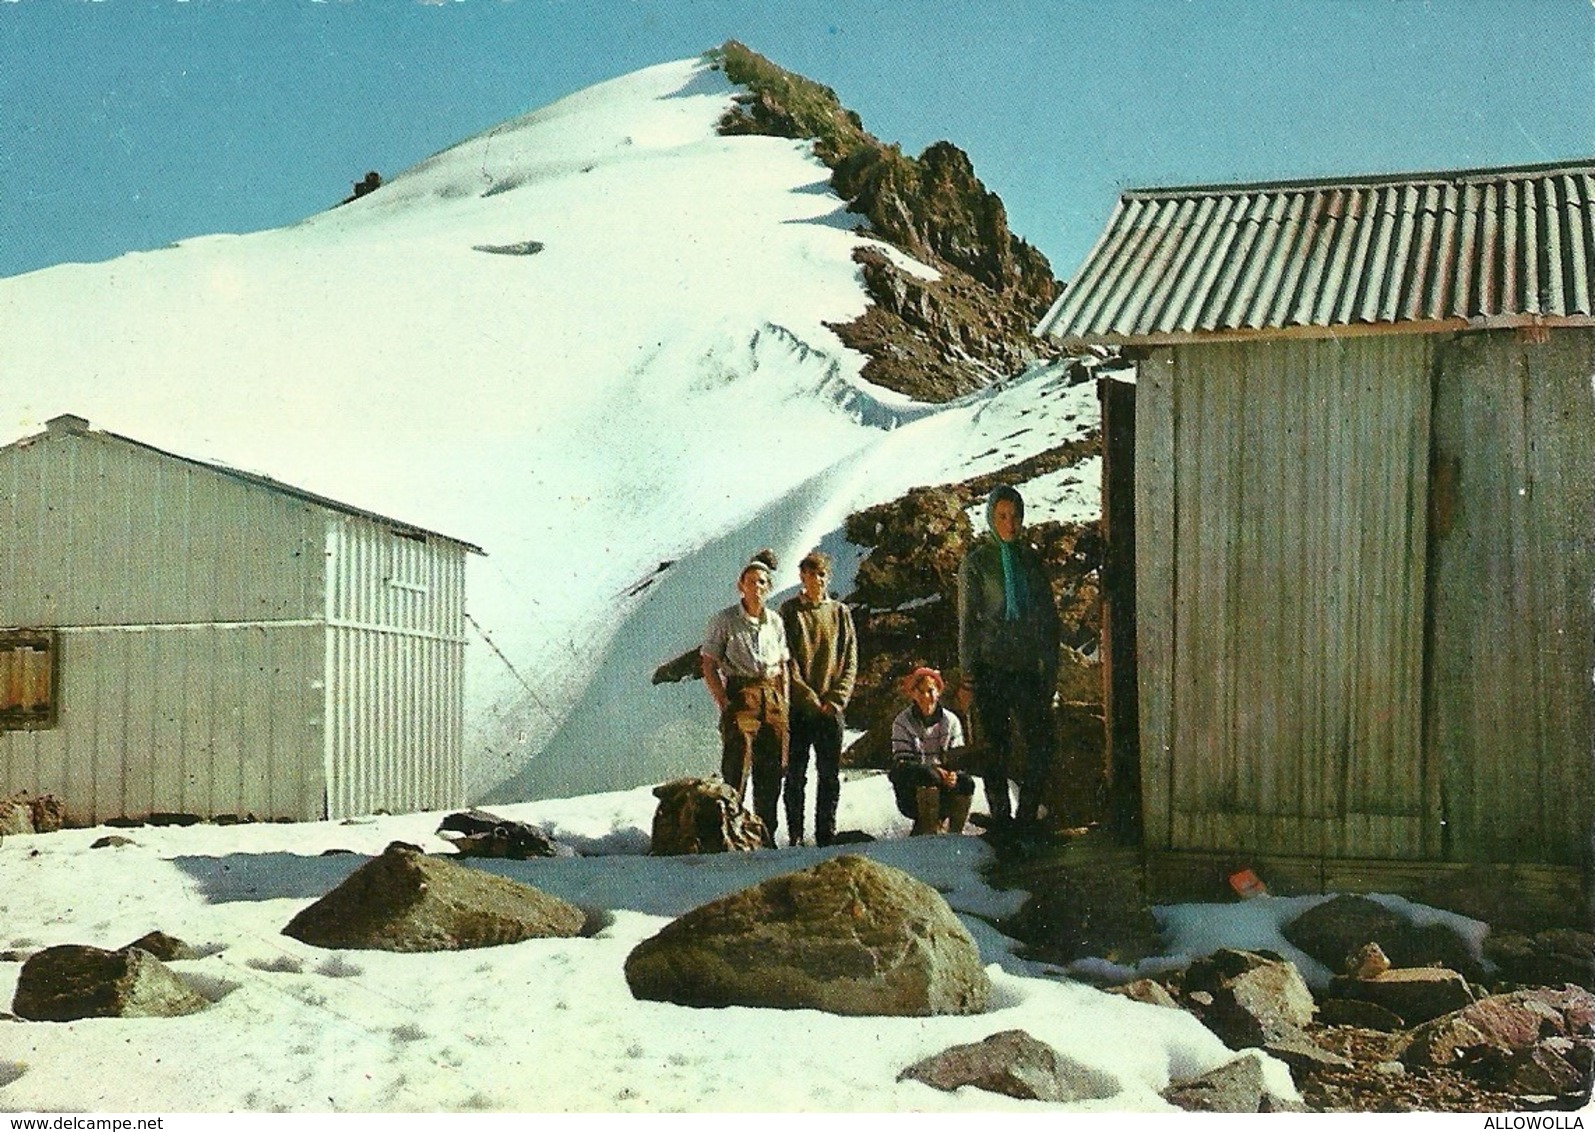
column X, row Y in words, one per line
column 927, row 804
column 958, row 812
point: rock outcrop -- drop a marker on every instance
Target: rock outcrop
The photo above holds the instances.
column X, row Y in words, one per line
column 72, row 981
column 848, row 936
column 405, row 900
column 1338, row 927
column 933, row 339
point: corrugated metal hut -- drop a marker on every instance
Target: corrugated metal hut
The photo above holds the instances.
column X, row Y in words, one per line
column 1350, row 504
column 186, row 638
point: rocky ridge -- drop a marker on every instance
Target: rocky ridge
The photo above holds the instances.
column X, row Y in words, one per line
column 932, row 339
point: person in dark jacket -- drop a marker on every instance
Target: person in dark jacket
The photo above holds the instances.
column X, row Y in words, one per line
column 824, row 648
column 1008, row 641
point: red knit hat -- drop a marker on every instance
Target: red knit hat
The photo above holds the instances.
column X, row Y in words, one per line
column 915, row 676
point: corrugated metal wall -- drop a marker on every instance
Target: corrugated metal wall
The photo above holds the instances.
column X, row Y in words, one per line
column 395, row 665
column 1513, row 568
column 1280, row 509
column 200, row 720
column 189, row 610
column 146, row 539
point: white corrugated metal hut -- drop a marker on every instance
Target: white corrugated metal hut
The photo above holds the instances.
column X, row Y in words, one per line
column 186, row 638
column 1350, row 501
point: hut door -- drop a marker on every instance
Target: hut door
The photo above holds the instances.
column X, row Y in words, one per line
column 1508, row 714
column 1281, row 492
column 1118, row 603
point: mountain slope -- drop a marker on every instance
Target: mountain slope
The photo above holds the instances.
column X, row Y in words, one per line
column 593, row 340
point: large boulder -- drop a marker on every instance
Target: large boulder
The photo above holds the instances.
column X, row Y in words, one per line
column 405, row 900
column 1015, row 1064
column 1248, row 998
column 72, row 981
column 1509, row 1023
column 849, row 936
column 703, row 815
column 1531, row 1042
column 1339, row 927
column 1416, row 994
column 1547, row 958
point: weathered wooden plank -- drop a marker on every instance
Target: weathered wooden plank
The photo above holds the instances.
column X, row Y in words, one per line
column 1155, row 539
column 1509, row 693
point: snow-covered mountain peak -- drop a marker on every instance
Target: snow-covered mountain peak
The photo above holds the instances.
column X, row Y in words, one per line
column 591, row 340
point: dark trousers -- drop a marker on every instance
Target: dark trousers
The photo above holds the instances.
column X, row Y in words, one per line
column 753, row 734
column 908, row 779
column 1009, row 703
column 824, row 734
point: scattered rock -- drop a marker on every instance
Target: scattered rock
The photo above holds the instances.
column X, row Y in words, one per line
column 15, row 817
column 1338, row 927
column 405, row 900
column 25, row 812
column 1235, row 1086
column 1416, row 994
column 1014, row 1064
column 1256, row 996
column 72, row 981
column 166, row 948
column 1149, row 991
column 112, row 841
column 702, row 815
column 1510, row 1023
column 1301, row 1053
column 1368, row 962
column 848, row 936
column 481, row 834
column 1356, row 1012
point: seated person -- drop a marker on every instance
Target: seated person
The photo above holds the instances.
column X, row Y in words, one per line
column 927, row 791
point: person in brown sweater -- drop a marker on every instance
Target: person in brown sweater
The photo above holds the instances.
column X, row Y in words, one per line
column 819, row 634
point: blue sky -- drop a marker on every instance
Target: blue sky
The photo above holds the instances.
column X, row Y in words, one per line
column 126, row 124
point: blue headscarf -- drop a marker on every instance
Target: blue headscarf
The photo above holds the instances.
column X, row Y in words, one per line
column 1015, row 597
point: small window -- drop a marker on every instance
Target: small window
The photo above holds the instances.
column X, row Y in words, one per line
column 27, row 679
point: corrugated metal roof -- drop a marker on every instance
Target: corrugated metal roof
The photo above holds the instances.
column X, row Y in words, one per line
column 1484, row 247
column 68, row 425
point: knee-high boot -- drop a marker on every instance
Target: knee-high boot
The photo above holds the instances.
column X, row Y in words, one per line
column 958, row 812
column 927, row 803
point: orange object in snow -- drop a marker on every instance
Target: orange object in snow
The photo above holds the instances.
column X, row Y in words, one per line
column 1246, row 884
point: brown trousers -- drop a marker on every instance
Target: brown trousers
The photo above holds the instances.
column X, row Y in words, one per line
column 753, row 736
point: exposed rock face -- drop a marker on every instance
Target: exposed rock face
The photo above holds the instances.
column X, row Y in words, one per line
column 1252, row 997
column 702, row 815
column 1416, row 994
column 405, row 900
column 1333, row 930
column 1014, row 1064
column 932, row 339
column 848, row 936
column 71, row 981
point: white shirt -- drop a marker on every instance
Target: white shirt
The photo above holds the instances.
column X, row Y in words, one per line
column 753, row 648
